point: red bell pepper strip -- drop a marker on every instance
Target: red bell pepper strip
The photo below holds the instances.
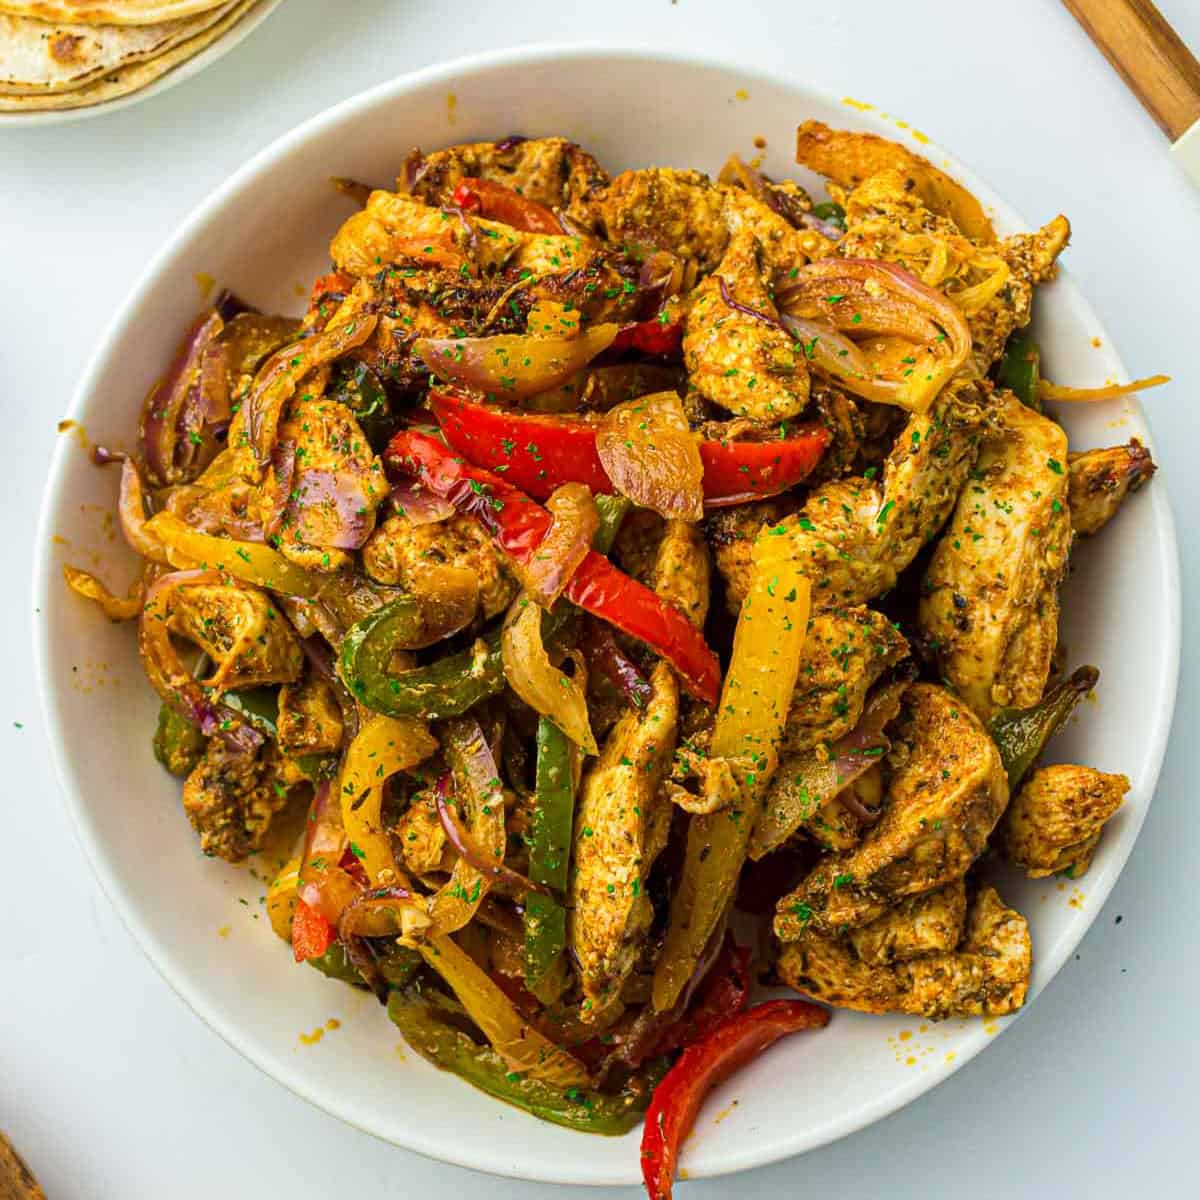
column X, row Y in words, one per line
column 518, row 525
column 702, row 1067
column 312, row 934
column 539, row 452
column 652, row 336
column 723, row 994
column 499, row 203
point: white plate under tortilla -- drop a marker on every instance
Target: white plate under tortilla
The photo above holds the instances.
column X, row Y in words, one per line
column 265, row 234
column 186, row 69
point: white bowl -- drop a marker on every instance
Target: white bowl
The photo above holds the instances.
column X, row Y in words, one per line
column 186, row 69
column 264, row 234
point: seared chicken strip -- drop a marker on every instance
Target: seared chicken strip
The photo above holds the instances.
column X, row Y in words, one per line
column 231, row 797
column 992, row 282
column 416, row 558
column 550, row 171
column 1100, row 480
column 1054, row 821
column 623, row 815
column 239, row 628
column 860, row 535
column 948, row 789
column 988, row 975
column 310, row 718
column 990, row 598
column 744, row 363
column 925, row 924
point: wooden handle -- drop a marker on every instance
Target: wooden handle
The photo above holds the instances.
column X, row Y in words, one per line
column 1149, row 55
column 16, row 1179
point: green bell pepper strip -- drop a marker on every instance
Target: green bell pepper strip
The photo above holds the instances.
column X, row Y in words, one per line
column 827, row 210
column 581, row 1109
column 1020, row 369
column 451, row 685
column 549, row 842
column 549, row 839
column 397, row 966
column 1021, row 734
column 178, row 744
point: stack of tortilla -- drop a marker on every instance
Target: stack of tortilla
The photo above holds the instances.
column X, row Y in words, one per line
column 57, row 54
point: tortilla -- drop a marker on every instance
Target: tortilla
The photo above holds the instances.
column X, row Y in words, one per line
column 37, row 57
column 132, row 78
column 108, row 12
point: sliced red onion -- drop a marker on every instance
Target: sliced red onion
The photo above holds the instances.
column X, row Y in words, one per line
column 331, row 508
column 102, row 456
column 160, row 425
column 565, row 546
column 827, row 229
column 511, row 365
column 756, row 313
column 419, row 504
column 605, row 657
column 131, row 513
column 513, row 139
column 466, row 849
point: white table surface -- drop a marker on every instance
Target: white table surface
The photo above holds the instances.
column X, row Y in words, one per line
column 110, row 1085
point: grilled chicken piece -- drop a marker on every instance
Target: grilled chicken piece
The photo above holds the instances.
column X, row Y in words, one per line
column 310, row 718
column 741, row 362
column 859, row 535
column 784, row 247
column 931, row 923
column 623, row 815
column 240, row 629
column 422, row 838
column 334, row 469
column 231, row 797
column 991, row 281
column 835, row 824
column 948, row 789
column 990, row 597
column 1099, row 481
column 550, row 171
column 1054, row 822
column 845, row 653
column 620, row 828
column 988, row 975
column 415, row 558
column 667, row 209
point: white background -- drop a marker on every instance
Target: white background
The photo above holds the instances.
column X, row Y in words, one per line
column 114, row 1090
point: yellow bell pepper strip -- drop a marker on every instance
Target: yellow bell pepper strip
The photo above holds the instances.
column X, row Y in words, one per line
column 522, row 1047
column 114, row 607
column 382, row 747
column 770, row 634
column 281, row 898
column 251, row 562
column 477, row 786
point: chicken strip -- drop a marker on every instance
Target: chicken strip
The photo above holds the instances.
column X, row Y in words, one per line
column 991, row 281
column 231, row 797
column 948, row 789
column 989, row 601
column 988, row 975
column 1100, row 480
column 845, row 653
column 667, row 209
column 859, row 535
column 623, row 814
column 310, row 718
column 551, row 171
column 745, row 363
column 415, row 557
column 1054, row 822
column 330, row 488
column 239, row 628
column 930, row 923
